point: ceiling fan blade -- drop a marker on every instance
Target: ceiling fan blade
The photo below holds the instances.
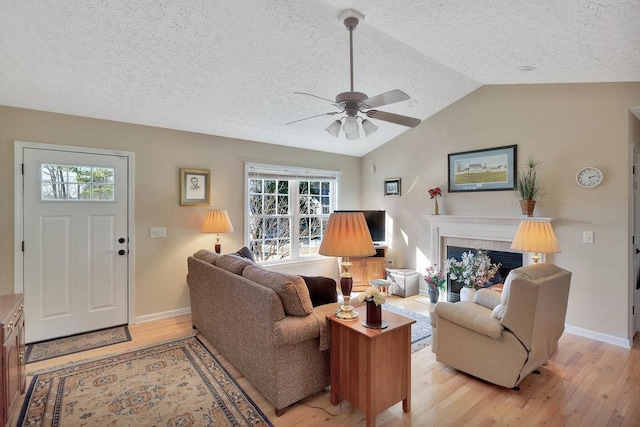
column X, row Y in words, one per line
column 386, row 98
column 316, row 96
column 332, row 113
column 393, row 118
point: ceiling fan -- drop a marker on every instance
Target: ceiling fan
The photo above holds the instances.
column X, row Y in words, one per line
column 356, row 105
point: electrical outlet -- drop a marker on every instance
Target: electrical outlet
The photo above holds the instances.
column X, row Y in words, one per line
column 587, row 237
column 157, row 232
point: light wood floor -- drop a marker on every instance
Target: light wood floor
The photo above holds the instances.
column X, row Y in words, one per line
column 586, row 383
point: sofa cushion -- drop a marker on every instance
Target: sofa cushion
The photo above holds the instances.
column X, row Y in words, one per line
column 207, row 256
column 245, row 252
column 322, row 290
column 233, row 263
column 291, row 289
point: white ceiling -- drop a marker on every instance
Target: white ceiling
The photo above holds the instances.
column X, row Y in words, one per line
column 230, row 67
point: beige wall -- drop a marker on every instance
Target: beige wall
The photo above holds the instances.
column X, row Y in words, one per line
column 160, row 263
column 566, row 127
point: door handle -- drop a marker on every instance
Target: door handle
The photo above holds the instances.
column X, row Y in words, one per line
column 121, row 252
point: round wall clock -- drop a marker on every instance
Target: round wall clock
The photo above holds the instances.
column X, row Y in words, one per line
column 589, row 177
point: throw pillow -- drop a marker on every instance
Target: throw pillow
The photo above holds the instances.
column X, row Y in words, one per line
column 245, row 252
column 322, row 290
column 291, row 289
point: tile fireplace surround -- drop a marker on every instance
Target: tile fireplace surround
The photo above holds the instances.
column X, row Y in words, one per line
column 478, row 232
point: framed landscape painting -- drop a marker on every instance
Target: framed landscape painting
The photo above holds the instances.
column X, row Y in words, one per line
column 491, row 169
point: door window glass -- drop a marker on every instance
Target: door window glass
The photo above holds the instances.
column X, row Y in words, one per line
column 76, row 183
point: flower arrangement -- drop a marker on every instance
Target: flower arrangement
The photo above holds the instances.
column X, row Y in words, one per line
column 435, row 192
column 435, row 278
column 372, row 294
column 473, row 270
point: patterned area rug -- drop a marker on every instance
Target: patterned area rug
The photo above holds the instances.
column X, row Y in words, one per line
column 173, row 384
column 420, row 331
column 74, row 344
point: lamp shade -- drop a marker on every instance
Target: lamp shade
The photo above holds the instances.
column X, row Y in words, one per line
column 217, row 222
column 347, row 235
column 535, row 236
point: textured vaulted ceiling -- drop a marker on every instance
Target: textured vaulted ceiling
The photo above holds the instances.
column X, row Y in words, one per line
column 230, row 67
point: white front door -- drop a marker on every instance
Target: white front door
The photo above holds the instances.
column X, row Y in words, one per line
column 75, row 242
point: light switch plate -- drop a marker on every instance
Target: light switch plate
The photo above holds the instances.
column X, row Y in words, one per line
column 157, row 232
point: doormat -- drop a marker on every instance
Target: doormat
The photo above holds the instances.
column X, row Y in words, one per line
column 179, row 383
column 68, row 345
column 420, row 331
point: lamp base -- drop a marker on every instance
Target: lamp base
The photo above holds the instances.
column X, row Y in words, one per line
column 346, row 312
column 218, row 248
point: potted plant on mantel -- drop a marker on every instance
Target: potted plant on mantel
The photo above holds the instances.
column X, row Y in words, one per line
column 527, row 187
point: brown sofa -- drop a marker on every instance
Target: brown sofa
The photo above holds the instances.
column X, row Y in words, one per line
column 502, row 338
column 264, row 323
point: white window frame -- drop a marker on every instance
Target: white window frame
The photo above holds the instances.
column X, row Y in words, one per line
column 294, row 173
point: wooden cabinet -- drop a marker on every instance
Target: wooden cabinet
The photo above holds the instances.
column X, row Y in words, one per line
column 367, row 269
column 13, row 380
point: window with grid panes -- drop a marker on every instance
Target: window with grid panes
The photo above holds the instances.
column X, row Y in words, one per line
column 287, row 210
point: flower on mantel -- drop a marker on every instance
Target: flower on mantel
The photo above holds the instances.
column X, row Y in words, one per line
column 372, row 294
column 435, row 278
column 435, row 192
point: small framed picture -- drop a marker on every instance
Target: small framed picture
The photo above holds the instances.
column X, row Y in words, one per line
column 392, row 187
column 194, row 187
column 491, row 169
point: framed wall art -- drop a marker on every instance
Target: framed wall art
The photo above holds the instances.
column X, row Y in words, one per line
column 491, row 169
column 194, row 187
column 392, row 187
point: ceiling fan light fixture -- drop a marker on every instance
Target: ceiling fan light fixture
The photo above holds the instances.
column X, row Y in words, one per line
column 352, row 136
column 350, row 125
column 368, row 127
column 334, row 128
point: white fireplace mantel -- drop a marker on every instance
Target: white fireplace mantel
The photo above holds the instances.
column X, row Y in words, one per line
column 478, row 230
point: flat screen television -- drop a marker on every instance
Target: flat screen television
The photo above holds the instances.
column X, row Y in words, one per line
column 376, row 223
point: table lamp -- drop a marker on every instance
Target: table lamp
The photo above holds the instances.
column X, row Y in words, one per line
column 347, row 235
column 217, row 222
column 537, row 237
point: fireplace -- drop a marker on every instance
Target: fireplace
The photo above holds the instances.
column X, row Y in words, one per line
column 508, row 261
column 493, row 234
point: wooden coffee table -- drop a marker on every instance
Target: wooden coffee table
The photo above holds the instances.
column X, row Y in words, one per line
column 371, row 368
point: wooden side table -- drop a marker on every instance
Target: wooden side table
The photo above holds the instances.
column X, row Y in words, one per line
column 357, row 356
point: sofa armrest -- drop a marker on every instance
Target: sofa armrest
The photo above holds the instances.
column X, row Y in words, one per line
column 470, row 318
column 295, row 329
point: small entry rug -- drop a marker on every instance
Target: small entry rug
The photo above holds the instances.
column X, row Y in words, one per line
column 62, row 346
column 420, row 331
column 172, row 384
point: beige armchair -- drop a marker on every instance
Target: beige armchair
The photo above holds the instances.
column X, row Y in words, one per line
column 502, row 338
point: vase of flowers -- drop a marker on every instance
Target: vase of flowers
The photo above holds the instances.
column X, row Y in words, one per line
column 436, row 281
column 374, row 300
column 434, row 193
column 473, row 270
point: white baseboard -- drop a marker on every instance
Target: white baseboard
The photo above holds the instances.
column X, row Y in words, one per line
column 165, row 314
column 609, row 339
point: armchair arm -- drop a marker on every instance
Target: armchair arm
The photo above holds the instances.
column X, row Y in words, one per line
column 470, row 318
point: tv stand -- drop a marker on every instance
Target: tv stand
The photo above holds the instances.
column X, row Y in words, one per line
column 370, row 268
